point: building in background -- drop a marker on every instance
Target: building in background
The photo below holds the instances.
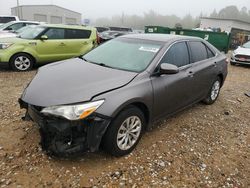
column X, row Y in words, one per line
column 239, row 30
column 47, row 13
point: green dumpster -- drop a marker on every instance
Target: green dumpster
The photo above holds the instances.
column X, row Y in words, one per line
column 218, row 39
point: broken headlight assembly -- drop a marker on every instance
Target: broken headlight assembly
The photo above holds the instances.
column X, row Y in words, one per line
column 73, row 112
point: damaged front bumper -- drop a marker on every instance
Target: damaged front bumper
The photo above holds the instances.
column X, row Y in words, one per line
column 63, row 138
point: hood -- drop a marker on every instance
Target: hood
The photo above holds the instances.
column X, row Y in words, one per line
column 242, row 51
column 12, row 39
column 73, row 81
column 4, row 34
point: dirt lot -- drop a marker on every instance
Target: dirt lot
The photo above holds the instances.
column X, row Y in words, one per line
column 204, row 146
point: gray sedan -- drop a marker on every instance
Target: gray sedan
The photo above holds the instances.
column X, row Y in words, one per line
column 111, row 95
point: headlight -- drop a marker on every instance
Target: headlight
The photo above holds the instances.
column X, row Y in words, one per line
column 5, row 45
column 73, row 112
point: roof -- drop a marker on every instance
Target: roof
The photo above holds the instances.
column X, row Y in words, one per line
column 47, row 5
column 159, row 37
column 67, row 26
column 226, row 19
column 24, row 21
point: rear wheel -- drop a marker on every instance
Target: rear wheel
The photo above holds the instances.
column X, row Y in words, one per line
column 213, row 92
column 21, row 62
column 124, row 132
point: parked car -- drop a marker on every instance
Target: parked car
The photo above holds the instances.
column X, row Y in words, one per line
column 5, row 19
column 102, row 29
column 122, row 29
column 11, row 34
column 108, row 35
column 241, row 55
column 114, row 32
column 113, row 93
column 46, row 43
column 11, row 29
column 15, row 25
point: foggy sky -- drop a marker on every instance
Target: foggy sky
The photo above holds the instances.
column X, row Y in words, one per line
column 93, row 9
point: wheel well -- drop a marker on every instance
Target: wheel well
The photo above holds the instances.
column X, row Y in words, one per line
column 143, row 108
column 34, row 59
column 221, row 78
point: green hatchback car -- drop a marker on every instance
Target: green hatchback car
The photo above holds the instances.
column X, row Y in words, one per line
column 46, row 43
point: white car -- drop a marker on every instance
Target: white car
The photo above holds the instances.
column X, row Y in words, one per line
column 15, row 25
column 12, row 29
column 241, row 55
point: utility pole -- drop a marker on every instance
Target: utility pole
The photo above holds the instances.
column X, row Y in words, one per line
column 18, row 14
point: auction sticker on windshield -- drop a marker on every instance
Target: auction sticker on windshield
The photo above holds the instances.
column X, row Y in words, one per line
column 149, row 49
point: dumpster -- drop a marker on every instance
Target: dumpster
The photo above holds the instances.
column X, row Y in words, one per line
column 218, row 39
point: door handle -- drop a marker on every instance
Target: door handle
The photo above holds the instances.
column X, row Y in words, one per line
column 191, row 74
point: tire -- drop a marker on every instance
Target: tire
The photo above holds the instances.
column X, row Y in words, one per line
column 232, row 63
column 21, row 62
column 116, row 146
column 214, row 92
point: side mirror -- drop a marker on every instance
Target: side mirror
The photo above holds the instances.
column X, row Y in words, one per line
column 167, row 68
column 44, row 37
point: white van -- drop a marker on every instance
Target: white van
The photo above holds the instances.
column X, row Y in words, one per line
column 5, row 19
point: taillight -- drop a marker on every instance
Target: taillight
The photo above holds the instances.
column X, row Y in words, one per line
column 98, row 38
column 227, row 60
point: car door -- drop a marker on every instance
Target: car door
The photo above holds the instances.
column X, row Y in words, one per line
column 174, row 91
column 78, row 41
column 54, row 48
column 203, row 67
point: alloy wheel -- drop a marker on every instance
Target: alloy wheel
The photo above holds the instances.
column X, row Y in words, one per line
column 22, row 63
column 129, row 132
column 215, row 90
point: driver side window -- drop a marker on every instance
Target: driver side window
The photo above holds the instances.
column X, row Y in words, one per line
column 55, row 33
column 177, row 55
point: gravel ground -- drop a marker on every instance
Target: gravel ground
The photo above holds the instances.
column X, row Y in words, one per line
column 204, row 146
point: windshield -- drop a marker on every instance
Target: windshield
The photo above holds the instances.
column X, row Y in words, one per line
column 31, row 33
column 125, row 54
column 247, row 45
column 2, row 27
column 25, row 28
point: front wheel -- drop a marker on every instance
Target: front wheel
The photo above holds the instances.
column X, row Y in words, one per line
column 124, row 132
column 21, row 62
column 213, row 92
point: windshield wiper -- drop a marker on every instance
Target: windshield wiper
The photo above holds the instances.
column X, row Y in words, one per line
column 103, row 65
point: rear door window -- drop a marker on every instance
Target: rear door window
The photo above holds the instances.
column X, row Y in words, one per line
column 55, row 33
column 177, row 55
column 210, row 54
column 198, row 51
column 77, row 34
